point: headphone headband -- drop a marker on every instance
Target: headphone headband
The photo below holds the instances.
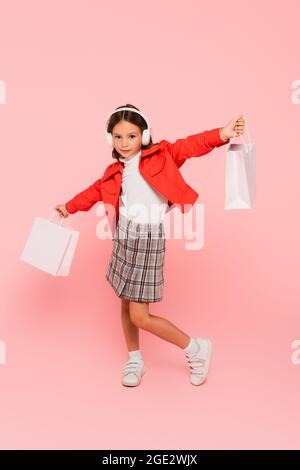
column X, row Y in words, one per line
column 127, row 109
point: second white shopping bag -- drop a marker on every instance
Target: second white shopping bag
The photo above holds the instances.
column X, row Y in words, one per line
column 240, row 174
column 50, row 246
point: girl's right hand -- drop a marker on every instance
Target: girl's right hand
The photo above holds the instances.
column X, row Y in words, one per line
column 60, row 208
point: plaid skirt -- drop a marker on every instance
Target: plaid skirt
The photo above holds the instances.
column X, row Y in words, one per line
column 135, row 269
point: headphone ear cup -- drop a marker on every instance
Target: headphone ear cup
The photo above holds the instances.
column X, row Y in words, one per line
column 109, row 138
column 146, row 137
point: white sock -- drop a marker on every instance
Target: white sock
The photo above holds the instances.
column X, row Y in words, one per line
column 136, row 355
column 191, row 347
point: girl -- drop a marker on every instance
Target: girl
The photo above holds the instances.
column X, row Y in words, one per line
column 146, row 175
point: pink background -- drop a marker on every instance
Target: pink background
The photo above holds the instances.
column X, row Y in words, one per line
column 189, row 67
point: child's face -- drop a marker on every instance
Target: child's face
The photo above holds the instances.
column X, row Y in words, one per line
column 127, row 136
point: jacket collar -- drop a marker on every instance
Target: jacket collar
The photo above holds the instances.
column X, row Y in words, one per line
column 118, row 166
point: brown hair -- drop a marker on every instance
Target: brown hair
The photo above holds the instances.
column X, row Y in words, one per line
column 129, row 116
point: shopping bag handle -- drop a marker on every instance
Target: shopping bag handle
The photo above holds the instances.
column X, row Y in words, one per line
column 235, row 135
column 56, row 212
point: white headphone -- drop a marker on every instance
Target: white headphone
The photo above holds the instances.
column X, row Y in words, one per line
column 146, row 132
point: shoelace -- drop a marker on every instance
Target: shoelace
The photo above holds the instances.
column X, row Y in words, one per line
column 196, row 364
column 131, row 366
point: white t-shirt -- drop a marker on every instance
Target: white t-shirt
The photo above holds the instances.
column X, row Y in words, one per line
column 138, row 200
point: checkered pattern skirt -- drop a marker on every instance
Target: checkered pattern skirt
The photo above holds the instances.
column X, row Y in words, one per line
column 135, row 269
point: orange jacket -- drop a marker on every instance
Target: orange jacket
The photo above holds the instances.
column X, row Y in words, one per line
column 159, row 165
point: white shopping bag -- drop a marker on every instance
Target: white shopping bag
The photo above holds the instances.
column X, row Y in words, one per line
column 50, row 246
column 240, row 175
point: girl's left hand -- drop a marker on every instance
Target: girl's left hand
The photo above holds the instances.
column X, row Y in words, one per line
column 236, row 125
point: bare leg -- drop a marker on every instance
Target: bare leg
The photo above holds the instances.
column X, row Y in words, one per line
column 140, row 316
column 131, row 331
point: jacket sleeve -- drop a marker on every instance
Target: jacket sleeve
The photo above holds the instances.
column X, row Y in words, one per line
column 84, row 200
column 195, row 145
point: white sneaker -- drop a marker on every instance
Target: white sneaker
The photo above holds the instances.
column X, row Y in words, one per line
column 133, row 371
column 199, row 361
